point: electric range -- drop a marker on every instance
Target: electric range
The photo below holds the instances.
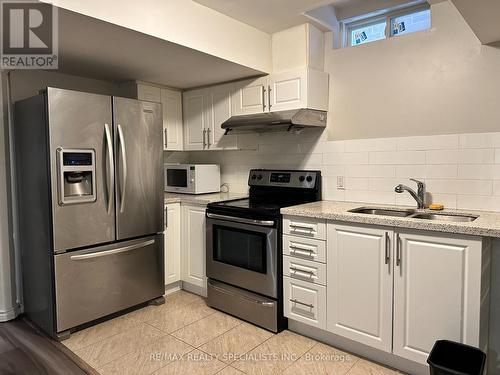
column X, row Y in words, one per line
column 244, row 245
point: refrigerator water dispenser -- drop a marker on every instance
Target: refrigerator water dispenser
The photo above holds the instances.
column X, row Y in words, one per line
column 77, row 178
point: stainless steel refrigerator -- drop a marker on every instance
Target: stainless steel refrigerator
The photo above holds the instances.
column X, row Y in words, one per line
column 90, row 201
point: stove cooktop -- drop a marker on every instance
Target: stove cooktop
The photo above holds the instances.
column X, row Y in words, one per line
column 271, row 190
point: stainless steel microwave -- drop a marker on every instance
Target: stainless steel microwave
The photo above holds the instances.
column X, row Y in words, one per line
column 192, row 178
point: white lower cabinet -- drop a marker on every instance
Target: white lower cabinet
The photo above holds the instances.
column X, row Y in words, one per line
column 437, row 292
column 172, row 243
column 401, row 290
column 193, row 246
column 360, row 284
column 305, row 302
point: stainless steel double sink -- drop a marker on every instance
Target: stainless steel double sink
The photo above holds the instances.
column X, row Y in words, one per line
column 409, row 213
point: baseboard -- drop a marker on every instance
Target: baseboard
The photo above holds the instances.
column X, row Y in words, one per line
column 173, row 287
column 194, row 289
column 10, row 314
column 375, row 355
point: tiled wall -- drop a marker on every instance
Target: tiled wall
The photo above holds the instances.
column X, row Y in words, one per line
column 461, row 170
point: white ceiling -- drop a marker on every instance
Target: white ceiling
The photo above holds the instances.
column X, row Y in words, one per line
column 276, row 15
column 96, row 49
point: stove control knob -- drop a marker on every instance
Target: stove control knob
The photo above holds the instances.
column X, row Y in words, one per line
column 259, row 177
column 309, row 178
column 254, row 176
column 302, row 178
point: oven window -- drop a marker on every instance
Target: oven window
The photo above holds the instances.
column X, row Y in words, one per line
column 177, row 177
column 240, row 248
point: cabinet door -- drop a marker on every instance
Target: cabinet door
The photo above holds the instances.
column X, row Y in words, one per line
column 305, row 302
column 148, row 93
column 288, row 90
column 436, row 292
column 359, row 284
column 221, row 109
column 172, row 243
column 196, row 119
column 172, row 120
column 193, row 243
column 250, row 97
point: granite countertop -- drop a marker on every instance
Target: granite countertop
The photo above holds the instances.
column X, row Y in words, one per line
column 202, row 199
column 487, row 224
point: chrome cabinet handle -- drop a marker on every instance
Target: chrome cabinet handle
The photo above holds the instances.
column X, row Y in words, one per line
column 208, row 137
column 204, row 141
column 123, row 185
column 269, row 96
column 111, row 161
column 263, row 99
column 266, row 223
column 165, row 136
column 310, row 274
column 387, row 249
column 398, row 250
column 112, row 251
column 165, row 215
column 302, row 303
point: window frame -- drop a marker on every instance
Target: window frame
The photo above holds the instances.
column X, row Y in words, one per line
column 388, row 17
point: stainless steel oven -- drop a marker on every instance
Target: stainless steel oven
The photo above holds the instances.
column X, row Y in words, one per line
column 243, row 252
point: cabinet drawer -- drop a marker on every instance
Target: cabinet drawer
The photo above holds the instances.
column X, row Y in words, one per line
column 305, row 227
column 304, row 248
column 304, row 270
column 305, row 302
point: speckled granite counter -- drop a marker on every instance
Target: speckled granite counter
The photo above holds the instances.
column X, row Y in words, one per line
column 201, row 199
column 487, row 224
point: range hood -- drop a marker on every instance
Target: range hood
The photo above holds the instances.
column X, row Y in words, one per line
column 292, row 120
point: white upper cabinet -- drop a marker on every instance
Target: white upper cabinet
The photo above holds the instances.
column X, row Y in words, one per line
column 293, row 89
column 437, row 292
column 220, row 110
column 171, row 101
column 197, row 118
column 250, row 97
column 360, row 284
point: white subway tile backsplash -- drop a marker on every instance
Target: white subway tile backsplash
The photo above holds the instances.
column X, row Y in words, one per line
column 375, row 144
column 460, row 170
column 479, row 140
column 339, row 158
column 431, row 142
column 478, row 202
column 397, row 157
column 441, row 156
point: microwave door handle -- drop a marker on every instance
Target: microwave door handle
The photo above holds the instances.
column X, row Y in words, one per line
column 111, row 167
column 123, row 154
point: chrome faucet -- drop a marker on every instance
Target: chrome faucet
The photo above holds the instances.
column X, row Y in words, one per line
column 419, row 196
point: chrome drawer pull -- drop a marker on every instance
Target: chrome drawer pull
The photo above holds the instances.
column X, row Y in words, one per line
column 302, row 303
column 308, row 273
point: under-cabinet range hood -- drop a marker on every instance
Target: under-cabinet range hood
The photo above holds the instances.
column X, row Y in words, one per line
column 292, row 120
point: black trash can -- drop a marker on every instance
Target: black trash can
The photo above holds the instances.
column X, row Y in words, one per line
column 453, row 358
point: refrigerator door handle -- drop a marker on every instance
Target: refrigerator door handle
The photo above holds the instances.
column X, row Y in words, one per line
column 111, row 161
column 112, row 251
column 123, row 184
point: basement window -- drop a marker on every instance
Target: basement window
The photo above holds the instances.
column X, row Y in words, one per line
column 388, row 25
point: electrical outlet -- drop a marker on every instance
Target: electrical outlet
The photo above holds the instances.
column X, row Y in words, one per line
column 340, row 183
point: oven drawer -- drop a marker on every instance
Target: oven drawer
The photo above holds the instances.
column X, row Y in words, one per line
column 305, row 227
column 305, row 270
column 304, row 248
column 246, row 305
column 305, row 302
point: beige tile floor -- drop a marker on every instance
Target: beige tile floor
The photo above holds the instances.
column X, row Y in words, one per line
column 185, row 336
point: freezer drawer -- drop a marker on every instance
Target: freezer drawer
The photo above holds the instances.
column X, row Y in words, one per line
column 96, row 282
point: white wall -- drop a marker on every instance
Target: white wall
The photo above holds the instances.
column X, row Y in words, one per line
column 440, row 81
column 186, row 23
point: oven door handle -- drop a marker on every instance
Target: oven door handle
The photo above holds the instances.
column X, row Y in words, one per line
column 221, row 290
column 265, row 223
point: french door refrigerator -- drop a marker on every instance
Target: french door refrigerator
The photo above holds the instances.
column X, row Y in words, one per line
column 90, row 202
